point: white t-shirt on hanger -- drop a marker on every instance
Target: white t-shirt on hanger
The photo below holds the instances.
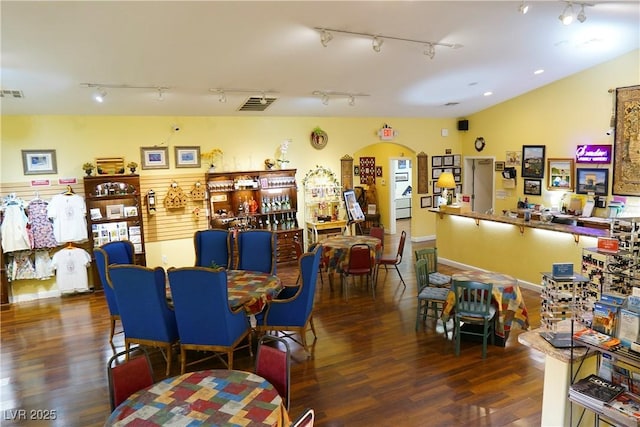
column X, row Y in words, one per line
column 71, row 269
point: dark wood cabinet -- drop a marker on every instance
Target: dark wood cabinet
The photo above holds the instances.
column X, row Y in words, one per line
column 257, row 200
column 114, row 212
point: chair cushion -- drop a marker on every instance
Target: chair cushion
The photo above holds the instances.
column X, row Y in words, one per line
column 439, row 279
column 492, row 312
column 433, row 293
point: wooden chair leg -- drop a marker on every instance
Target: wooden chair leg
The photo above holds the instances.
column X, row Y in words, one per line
column 183, row 360
column 113, row 330
column 169, row 358
column 230, row 358
column 313, row 328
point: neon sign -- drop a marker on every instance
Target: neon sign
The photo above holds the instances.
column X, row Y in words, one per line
column 593, row 154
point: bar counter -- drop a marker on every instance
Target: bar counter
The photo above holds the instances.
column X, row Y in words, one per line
column 509, row 245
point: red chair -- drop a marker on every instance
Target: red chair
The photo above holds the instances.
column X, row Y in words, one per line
column 359, row 265
column 305, row 419
column 379, row 233
column 274, row 365
column 395, row 260
column 128, row 376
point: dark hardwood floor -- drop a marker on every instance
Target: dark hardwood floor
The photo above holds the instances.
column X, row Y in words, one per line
column 369, row 365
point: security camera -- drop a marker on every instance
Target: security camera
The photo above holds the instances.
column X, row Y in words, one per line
column 176, row 128
column 610, row 131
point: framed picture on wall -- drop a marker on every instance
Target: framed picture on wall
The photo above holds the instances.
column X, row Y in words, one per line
column 594, row 181
column 560, row 174
column 436, row 161
column 425, row 201
column 533, row 187
column 533, row 161
column 39, row 162
column 187, row 157
column 154, row 157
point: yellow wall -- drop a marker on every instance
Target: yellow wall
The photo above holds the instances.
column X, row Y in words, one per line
column 560, row 116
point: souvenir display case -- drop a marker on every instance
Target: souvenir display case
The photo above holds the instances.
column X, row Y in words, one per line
column 265, row 200
column 324, row 212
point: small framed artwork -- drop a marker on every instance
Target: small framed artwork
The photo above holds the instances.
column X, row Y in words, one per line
column 378, row 170
column 447, row 160
column 435, row 173
column 458, row 188
column 533, row 161
column 457, row 160
column 436, row 161
column 425, row 201
column 154, row 157
column 499, row 166
column 356, row 170
column 560, row 174
column 514, row 158
column 130, row 211
column 39, row 162
column 457, row 177
column 95, row 213
column 594, row 181
column 533, row 187
column 114, row 211
column 402, row 164
column 401, row 177
column 436, row 189
column 187, row 157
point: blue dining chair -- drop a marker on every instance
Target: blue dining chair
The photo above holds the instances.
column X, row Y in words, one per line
column 205, row 320
column 213, row 246
column 257, row 251
column 142, row 300
column 120, row 252
column 294, row 315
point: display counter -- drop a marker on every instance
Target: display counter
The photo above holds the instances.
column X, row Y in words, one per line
column 510, row 245
column 327, row 228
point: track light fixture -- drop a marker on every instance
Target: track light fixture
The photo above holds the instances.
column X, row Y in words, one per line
column 524, row 8
column 325, row 37
column 263, row 99
column 377, row 43
column 378, row 39
column 429, row 50
column 567, row 14
column 100, row 95
column 102, row 89
column 325, row 95
column 222, row 93
column 222, row 98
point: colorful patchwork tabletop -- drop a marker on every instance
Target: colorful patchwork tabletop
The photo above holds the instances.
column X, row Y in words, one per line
column 335, row 250
column 212, row 397
column 506, row 296
column 251, row 289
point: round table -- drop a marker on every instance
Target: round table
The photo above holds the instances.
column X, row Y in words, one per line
column 212, row 397
column 336, row 250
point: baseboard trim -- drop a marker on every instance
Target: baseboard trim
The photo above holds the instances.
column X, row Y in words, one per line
column 522, row 283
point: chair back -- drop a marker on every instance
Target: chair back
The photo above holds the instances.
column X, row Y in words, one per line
column 305, row 419
column 377, row 231
column 296, row 310
column 431, row 255
column 473, row 299
column 128, row 376
column 213, row 246
column 142, row 300
column 274, row 365
column 403, row 239
column 201, row 304
column 359, row 259
column 422, row 273
column 120, row 252
column 257, row 251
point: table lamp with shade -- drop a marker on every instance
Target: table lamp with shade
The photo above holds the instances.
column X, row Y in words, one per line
column 447, row 182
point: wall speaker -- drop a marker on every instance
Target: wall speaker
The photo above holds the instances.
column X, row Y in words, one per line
column 463, row 124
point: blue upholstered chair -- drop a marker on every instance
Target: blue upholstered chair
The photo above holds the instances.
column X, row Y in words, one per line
column 142, row 301
column 474, row 306
column 257, row 251
column 205, row 320
column 213, row 246
column 120, row 252
column 294, row 315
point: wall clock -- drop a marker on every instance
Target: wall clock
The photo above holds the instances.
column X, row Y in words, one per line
column 480, row 143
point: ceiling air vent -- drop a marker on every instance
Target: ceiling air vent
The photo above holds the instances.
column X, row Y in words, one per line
column 451, row 104
column 254, row 103
column 11, row 93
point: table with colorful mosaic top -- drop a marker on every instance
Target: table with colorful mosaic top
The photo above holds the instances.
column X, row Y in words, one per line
column 251, row 289
column 335, row 251
column 506, row 297
column 211, row 397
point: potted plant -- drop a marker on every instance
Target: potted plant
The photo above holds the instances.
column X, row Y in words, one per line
column 132, row 166
column 210, row 157
column 88, row 168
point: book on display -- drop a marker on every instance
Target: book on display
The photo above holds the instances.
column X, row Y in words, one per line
column 624, row 408
column 596, row 338
column 594, row 391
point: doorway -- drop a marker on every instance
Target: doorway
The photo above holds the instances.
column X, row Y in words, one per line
column 478, row 182
column 400, row 191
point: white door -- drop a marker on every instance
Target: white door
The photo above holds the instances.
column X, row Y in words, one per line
column 478, row 182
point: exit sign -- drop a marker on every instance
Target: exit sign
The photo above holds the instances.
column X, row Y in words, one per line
column 387, row 133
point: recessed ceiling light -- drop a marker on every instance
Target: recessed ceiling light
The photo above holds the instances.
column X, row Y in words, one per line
column 540, row 71
column 488, row 93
